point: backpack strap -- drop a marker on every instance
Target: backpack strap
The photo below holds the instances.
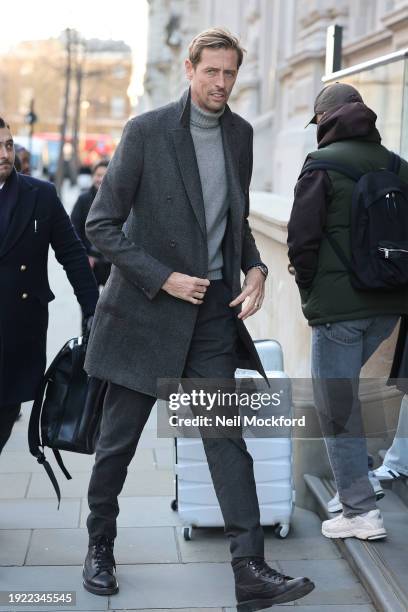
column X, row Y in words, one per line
column 339, row 252
column 317, row 164
column 34, row 439
column 349, row 172
column 394, row 163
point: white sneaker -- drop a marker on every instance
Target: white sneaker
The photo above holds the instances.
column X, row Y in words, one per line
column 367, row 526
column 386, row 473
column 335, row 505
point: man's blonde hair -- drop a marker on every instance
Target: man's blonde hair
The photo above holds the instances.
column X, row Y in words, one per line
column 214, row 38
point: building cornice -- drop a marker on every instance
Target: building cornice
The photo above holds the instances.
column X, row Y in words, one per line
column 397, row 19
column 366, row 42
column 296, row 60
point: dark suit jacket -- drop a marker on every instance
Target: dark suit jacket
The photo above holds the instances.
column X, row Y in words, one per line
column 79, row 214
column 148, row 219
column 39, row 220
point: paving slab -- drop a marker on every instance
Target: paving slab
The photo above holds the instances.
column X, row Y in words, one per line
column 138, row 483
column 335, row 581
column 76, row 462
column 164, row 458
column 17, row 462
column 18, row 440
column 36, row 513
column 13, row 545
column 148, row 439
column 50, row 579
column 13, row 486
column 194, row 585
column 22, row 461
column 152, row 511
column 303, row 542
column 206, row 546
column 132, row 546
column 316, row 608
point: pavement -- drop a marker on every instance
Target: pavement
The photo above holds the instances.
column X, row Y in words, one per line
column 42, row 548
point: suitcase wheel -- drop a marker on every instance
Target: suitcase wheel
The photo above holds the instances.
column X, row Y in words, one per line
column 281, row 531
column 174, row 505
column 187, row 533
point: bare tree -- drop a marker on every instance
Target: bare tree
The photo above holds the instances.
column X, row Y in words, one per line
column 68, row 69
column 80, row 56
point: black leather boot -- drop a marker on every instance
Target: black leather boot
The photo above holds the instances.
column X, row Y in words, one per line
column 99, row 568
column 258, row 586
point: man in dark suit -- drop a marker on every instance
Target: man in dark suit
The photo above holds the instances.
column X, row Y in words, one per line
column 31, row 219
column 172, row 217
column 80, row 211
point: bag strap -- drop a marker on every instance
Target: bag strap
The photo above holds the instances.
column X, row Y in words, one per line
column 394, row 165
column 339, row 252
column 60, row 462
column 351, row 173
column 34, row 440
column 317, row 164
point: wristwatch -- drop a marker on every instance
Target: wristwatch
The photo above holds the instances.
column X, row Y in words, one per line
column 262, row 268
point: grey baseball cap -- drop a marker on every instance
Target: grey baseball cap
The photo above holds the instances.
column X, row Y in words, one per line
column 333, row 96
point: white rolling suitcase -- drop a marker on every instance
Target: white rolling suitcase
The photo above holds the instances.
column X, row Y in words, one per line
column 196, row 501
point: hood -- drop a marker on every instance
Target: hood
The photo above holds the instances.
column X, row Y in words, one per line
column 354, row 120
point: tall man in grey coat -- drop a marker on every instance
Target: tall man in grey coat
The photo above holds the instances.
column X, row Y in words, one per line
column 171, row 215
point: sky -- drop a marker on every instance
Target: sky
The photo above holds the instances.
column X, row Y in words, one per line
column 121, row 20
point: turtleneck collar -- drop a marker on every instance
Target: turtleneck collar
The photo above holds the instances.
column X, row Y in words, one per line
column 203, row 119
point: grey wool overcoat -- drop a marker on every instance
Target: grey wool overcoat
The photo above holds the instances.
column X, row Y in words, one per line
column 148, row 219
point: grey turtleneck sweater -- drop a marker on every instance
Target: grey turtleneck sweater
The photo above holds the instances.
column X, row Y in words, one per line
column 206, row 133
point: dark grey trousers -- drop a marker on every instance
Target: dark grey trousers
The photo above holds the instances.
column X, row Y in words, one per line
column 212, row 354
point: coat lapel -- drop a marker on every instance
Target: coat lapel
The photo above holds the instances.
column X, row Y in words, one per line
column 231, row 155
column 22, row 214
column 187, row 162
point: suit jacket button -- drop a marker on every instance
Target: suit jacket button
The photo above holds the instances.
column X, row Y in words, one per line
column 23, row 268
column 24, row 296
column 172, row 243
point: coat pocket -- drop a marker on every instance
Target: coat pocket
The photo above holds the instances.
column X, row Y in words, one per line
column 44, row 296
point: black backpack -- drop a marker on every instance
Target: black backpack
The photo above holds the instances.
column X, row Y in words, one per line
column 67, row 409
column 379, row 226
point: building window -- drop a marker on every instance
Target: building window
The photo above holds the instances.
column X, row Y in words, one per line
column 117, row 107
column 119, row 72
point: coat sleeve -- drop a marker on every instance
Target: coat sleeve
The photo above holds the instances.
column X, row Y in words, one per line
column 250, row 253
column 306, row 224
column 110, row 210
column 71, row 254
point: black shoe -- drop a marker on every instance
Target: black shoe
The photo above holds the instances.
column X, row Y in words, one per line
column 99, row 568
column 258, row 586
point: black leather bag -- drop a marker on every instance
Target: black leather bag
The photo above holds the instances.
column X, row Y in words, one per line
column 67, row 410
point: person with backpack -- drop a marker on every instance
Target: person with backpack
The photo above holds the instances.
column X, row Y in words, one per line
column 32, row 218
column 348, row 244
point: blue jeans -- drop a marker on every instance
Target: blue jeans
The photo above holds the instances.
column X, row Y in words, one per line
column 339, row 350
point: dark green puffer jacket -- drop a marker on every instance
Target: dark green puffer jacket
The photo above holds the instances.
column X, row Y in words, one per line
column 331, row 296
